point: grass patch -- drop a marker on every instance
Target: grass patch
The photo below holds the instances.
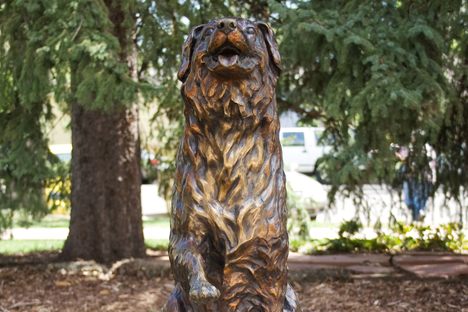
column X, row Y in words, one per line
column 159, row 222
column 61, row 221
column 157, row 244
column 20, row 246
column 24, row 246
column 50, row 221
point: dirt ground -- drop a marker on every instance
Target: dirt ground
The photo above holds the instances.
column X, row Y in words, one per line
column 39, row 288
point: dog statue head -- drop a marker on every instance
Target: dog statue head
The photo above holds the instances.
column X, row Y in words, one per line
column 229, row 68
column 230, row 47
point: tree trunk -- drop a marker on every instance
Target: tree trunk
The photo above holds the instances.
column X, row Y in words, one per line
column 106, row 223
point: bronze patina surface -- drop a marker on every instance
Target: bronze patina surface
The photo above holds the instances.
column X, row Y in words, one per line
column 228, row 243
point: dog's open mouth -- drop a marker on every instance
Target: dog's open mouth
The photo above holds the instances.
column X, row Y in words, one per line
column 227, row 55
column 229, row 60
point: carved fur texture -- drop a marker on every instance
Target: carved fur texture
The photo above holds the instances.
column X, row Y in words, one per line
column 229, row 242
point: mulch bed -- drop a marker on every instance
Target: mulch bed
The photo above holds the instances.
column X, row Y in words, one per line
column 44, row 288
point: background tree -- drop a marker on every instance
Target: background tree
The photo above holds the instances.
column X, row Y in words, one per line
column 25, row 164
column 378, row 73
column 82, row 52
column 106, row 223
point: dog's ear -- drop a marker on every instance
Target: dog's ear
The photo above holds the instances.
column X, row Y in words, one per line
column 187, row 49
column 271, row 44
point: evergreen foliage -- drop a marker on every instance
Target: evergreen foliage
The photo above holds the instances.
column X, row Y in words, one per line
column 379, row 73
column 25, row 164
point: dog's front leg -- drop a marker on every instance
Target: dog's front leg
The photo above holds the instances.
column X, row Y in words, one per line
column 189, row 269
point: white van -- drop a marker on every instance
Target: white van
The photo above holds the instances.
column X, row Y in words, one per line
column 301, row 148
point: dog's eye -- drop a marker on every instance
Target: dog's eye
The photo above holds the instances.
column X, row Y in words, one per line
column 208, row 32
column 250, row 31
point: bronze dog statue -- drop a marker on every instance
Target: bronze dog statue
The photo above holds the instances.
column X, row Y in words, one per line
column 228, row 243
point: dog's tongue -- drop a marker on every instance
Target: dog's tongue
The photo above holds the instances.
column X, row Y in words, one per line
column 228, row 60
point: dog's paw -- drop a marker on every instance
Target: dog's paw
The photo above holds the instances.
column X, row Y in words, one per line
column 202, row 290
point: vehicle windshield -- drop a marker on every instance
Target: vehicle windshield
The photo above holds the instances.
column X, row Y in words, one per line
column 293, row 139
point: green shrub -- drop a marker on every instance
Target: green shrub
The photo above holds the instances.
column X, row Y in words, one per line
column 400, row 237
column 447, row 237
column 349, row 228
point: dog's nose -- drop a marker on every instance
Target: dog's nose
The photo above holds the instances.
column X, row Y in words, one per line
column 227, row 25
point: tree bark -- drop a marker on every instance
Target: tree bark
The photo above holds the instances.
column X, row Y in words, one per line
column 106, row 220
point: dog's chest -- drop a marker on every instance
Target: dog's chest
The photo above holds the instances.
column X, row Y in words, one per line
column 231, row 162
column 236, row 184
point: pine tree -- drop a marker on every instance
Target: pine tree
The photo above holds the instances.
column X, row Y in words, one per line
column 106, row 223
column 83, row 52
column 25, row 165
column 376, row 74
